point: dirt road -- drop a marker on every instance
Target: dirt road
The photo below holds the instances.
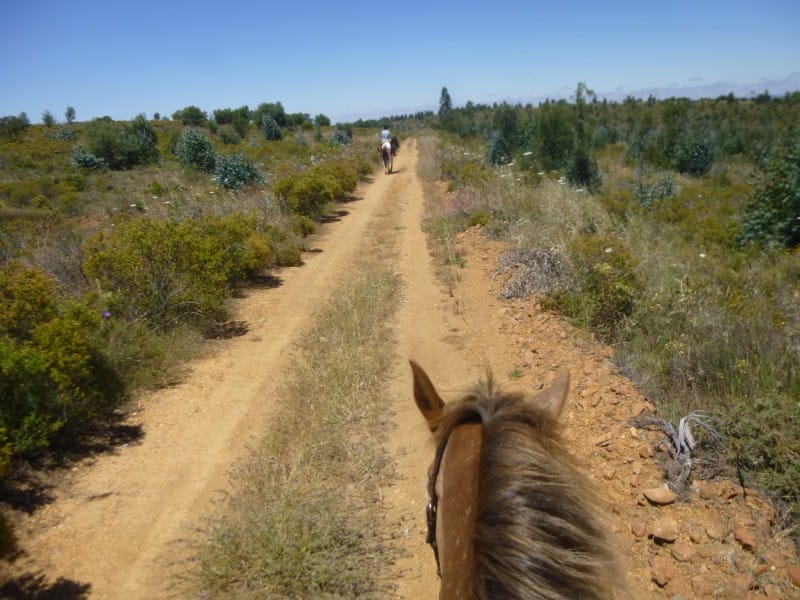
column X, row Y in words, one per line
column 117, row 526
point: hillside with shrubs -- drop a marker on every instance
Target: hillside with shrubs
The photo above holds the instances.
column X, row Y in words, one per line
column 669, row 229
column 122, row 243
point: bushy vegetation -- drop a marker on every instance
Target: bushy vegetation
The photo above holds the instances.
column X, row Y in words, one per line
column 236, row 170
column 105, row 270
column 310, row 192
column 677, row 243
column 119, row 146
column 194, row 150
column 53, row 376
column 165, row 271
column 773, row 215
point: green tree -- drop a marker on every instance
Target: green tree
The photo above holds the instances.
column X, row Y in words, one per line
column 274, row 109
column 192, row 116
column 193, row 149
column 13, row 126
column 773, row 215
column 270, row 128
column 445, row 103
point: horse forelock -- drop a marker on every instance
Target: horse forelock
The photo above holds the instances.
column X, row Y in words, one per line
column 538, row 531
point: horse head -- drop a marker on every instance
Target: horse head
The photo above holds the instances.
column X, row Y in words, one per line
column 510, row 514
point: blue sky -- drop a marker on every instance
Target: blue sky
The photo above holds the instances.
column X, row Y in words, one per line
column 369, row 59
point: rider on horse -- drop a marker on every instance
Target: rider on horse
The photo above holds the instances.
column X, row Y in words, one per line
column 387, row 138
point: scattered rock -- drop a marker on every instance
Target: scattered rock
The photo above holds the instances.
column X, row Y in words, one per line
column 715, row 528
column 664, row 529
column 745, row 537
column 794, row 574
column 660, row 495
column 662, row 570
column 707, row 585
column 682, row 552
column 741, row 582
column 638, row 527
column 706, row 490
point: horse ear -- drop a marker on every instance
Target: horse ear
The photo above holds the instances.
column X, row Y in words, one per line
column 428, row 401
column 554, row 398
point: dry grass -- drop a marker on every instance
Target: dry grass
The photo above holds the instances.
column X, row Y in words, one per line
column 305, row 518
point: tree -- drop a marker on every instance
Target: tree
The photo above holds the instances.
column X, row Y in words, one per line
column 274, row 109
column 12, row 126
column 48, row 119
column 69, row 114
column 192, row 116
column 270, row 128
column 445, row 103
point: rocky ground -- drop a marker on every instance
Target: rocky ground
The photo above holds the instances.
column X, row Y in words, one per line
column 718, row 540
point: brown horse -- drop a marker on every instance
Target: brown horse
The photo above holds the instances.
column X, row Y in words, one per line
column 510, row 514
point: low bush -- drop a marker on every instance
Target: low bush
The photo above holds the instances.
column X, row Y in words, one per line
column 773, row 215
column 236, row 171
column 167, row 272
column 604, row 285
column 193, row 149
column 53, row 377
column 309, row 193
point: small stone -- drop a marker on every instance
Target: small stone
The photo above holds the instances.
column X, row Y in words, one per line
column 773, row 558
column 715, row 528
column 638, row 527
column 706, row 490
column 682, row 552
column 794, row 574
column 695, row 535
column 742, row 582
column 745, row 537
column 664, row 529
column 660, row 496
column 662, row 570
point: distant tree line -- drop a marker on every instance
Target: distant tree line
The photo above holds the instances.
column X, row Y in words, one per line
column 679, row 134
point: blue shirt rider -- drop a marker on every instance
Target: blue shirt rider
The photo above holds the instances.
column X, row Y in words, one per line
column 386, row 136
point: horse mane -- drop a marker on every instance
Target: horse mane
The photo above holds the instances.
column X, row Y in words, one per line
column 538, row 532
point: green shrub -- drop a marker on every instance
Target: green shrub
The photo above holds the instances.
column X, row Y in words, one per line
column 229, row 136
column 270, row 128
column 82, row 158
column 167, row 272
column 303, row 225
column 121, row 146
column 65, row 133
column 604, row 285
column 235, row 171
column 53, row 377
column 27, row 299
column 341, row 137
column 193, row 149
column 694, row 157
column 773, row 215
column 310, row 192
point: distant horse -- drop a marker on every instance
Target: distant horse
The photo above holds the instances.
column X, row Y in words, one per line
column 388, row 157
column 510, row 515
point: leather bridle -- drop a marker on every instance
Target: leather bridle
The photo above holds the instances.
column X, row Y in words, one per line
column 433, row 504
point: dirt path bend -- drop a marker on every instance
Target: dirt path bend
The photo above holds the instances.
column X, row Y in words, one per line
column 117, row 524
